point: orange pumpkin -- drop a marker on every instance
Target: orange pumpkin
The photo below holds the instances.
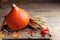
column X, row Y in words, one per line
column 18, row 18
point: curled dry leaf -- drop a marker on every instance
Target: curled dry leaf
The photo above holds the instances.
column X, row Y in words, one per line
column 15, row 35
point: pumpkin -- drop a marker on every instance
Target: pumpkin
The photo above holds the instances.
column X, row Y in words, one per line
column 18, row 18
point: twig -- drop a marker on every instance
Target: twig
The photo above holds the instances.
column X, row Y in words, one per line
column 2, row 24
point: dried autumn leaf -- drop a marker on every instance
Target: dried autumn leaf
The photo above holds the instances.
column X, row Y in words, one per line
column 1, row 36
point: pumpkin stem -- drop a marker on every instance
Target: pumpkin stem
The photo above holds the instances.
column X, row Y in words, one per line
column 14, row 5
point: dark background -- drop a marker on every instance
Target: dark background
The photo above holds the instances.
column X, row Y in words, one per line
column 30, row 0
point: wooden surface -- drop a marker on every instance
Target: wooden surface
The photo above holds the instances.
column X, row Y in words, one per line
column 50, row 10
